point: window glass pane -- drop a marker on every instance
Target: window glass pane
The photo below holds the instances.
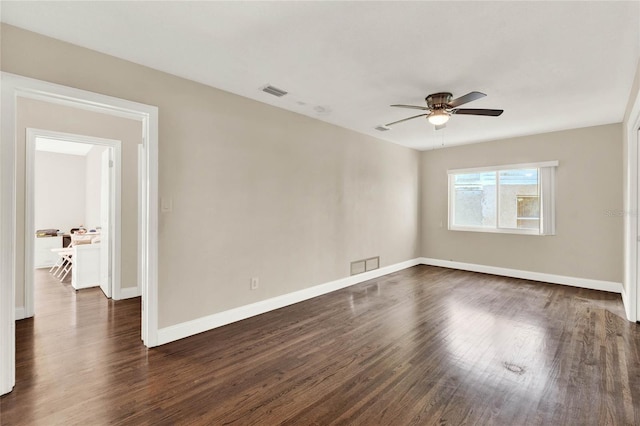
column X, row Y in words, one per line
column 475, row 199
column 519, row 199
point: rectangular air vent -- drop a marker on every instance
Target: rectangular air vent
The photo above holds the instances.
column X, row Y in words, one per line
column 372, row 263
column 274, row 91
column 357, row 267
column 365, row 265
column 382, row 128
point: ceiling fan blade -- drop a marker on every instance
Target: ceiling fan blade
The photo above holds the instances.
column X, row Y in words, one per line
column 471, row 111
column 441, row 126
column 412, row 106
column 405, row 119
column 471, row 96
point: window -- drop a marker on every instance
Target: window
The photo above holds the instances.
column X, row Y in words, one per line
column 516, row 199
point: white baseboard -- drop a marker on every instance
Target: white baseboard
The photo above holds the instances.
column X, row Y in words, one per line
column 625, row 303
column 628, row 309
column 128, row 293
column 610, row 286
column 20, row 313
column 189, row 328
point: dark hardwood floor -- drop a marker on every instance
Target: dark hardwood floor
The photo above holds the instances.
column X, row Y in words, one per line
column 425, row 346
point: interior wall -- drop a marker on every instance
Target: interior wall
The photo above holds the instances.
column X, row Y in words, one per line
column 59, row 191
column 47, row 116
column 256, row 191
column 589, row 215
column 93, row 186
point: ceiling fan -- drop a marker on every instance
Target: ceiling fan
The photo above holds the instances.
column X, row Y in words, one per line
column 440, row 107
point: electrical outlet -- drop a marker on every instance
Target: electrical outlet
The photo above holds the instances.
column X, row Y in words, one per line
column 254, row 283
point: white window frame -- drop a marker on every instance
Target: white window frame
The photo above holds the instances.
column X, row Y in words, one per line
column 546, row 189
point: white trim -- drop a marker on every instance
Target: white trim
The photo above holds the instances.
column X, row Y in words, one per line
column 128, row 293
column 189, row 328
column 631, row 204
column 21, row 313
column 7, row 235
column 29, row 196
column 141, row 204
column 14, row 86
column 68, row 96
column 547, row 197
column 610, row 286
column 539, row 165
column 149, row 252
column 625, row 301
column 115, row 199
column 523, row 231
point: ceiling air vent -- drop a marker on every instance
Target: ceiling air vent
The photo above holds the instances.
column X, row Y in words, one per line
column 382, row 128
column 274, row 91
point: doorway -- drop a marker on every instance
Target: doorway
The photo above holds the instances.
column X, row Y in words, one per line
column 15, row 87
column 90, row 194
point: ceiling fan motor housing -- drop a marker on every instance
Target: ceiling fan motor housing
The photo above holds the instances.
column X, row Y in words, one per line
column 439, row 100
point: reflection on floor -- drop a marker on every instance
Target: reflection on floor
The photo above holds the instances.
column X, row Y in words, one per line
column 425, row 345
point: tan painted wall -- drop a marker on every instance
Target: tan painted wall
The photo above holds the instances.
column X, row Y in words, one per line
column 588, row 243
column 257, row 191
column 47, row 116
column 54, row 207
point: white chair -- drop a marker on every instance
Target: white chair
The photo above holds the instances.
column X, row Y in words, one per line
column 60, row 262
column 64, row 263
column 67, row 264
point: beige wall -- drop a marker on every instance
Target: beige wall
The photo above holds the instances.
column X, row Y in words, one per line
column 46, row 116
column 257, row 191
column 588, row 243
column 59, row 198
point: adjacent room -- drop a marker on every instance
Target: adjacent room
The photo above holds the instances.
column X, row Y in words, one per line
column 379, row 213
column 67, row 193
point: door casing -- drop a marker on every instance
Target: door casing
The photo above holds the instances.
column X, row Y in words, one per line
column 16, row 86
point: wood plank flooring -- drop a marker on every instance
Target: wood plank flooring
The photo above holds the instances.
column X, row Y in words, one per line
column 422, row 346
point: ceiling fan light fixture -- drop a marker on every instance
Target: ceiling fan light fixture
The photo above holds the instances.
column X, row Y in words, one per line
column 438, row 117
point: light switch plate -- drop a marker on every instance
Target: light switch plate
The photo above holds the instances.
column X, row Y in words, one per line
column 166, row 205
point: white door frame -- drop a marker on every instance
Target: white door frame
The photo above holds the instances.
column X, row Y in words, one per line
column 13, row 87
column 114, row 209
column 630, row 292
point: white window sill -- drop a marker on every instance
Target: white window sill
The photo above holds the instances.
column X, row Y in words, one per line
column 498, row 230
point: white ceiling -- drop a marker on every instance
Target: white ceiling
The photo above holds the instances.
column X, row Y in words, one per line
column 549, row 65
column 62, row 147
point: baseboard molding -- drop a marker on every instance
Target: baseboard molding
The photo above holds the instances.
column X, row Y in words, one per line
column 200, row 325
column 20, row 313
column 628, row 306
column 625, row 303
column 610, row 286
column 128, row 293
column 190, row 328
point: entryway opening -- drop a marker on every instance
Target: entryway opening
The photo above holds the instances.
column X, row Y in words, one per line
column 139, row 245
column 72, row 210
